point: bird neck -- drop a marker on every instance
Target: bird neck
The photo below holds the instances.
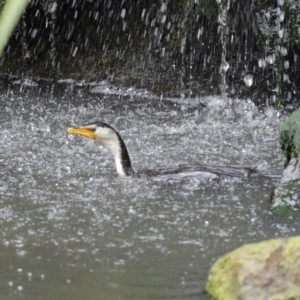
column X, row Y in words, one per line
column 121, row 156
column 122, row 160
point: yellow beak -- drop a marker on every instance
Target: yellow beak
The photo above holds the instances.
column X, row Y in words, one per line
column 86, row 132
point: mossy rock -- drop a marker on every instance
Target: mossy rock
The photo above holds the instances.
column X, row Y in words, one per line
column 266, row 270
column 290, row 136
column 286, row 197
column 287, row 192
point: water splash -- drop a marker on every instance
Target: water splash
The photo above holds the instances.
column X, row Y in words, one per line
column 62, row 202
column 223, row 7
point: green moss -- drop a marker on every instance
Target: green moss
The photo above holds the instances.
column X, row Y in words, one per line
column 283, row 210
column 252, row 271
column 285, row 197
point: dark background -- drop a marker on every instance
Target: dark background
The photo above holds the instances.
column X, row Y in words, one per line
column 171, row 48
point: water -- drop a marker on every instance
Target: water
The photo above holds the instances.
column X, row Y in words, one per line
column 70, row 229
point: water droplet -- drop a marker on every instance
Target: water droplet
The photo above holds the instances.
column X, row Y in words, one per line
column 143, row 13
column 75, row 51
column 248, row 79
column 262, row 63
column 53, row 7
column 271, row 59
column 286, row 78
column 269, row 111
column 123, row 13
column 20, row 288
column 29, row 275
column 131, row 210
column 225, row 66
column 286, row 64
column 163, row 7
column 283, row 51
column 34, row 33
column 281, row 16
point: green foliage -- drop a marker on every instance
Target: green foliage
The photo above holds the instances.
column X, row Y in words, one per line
column 277, row 30
column 284, row 210
column 286, row 194
column 293, row 24
column 184, row 8
column 279, row 25
column 290, row 136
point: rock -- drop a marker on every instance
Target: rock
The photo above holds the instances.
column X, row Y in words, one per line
column 286, row 194
column 268, row 270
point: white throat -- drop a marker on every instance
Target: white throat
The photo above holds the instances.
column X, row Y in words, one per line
column 110, row 140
